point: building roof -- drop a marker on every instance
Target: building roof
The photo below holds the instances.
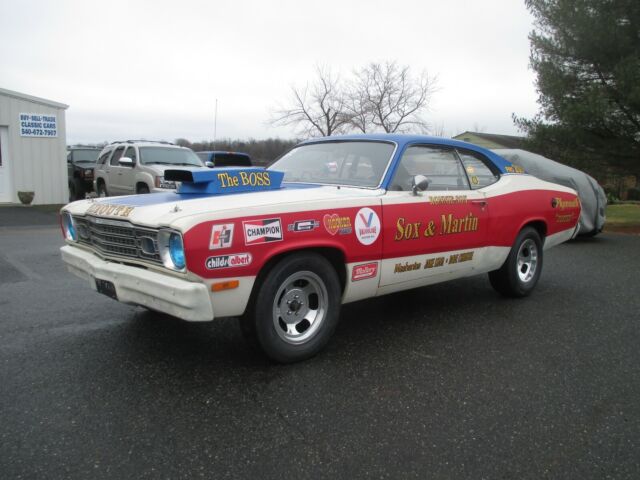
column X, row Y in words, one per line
column 31, row 98
column 508, row 141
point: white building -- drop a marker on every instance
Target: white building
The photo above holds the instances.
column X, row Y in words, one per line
column 32, row 148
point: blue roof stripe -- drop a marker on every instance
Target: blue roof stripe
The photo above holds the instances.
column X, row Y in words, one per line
column 403, row 141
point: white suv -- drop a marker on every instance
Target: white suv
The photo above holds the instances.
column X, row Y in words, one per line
column 137, row 166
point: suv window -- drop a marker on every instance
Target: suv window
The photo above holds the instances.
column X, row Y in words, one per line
column 440, row 166
column 480, row 175
column 131, row 153
column 168, row 156
column 116, row 156
column 104, row 156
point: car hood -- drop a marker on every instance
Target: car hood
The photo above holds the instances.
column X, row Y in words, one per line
column 180, row 211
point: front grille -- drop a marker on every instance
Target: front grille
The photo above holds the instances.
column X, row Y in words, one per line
column 118, row 238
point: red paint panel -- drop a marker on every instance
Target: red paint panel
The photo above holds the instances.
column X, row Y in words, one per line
column 325, row 228
column 451, row 227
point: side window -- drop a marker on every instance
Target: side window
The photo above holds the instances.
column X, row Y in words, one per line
column 69, row 157
column 131, row 153
column 103, row 157
column 439, row 165
column 480, row 175
column 116, row 156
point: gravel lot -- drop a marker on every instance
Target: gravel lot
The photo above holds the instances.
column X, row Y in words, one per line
column 449, row 381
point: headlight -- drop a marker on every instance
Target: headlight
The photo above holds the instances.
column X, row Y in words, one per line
column 69, row 227
column 171, row 250
column 162, row 183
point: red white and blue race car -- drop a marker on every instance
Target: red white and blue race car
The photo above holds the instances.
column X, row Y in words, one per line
column 333, row 221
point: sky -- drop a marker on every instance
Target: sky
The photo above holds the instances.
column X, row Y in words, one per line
column 154, row 69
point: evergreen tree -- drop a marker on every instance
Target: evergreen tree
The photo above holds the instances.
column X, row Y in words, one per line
column 586, row 54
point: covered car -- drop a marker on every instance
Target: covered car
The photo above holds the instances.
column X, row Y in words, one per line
column 592, row 195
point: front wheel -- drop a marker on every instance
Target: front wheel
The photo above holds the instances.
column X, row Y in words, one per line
column 296, row 308
column 521, row 270
column 102, row 190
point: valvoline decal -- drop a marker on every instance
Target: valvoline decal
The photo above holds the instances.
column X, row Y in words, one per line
column 225, row 180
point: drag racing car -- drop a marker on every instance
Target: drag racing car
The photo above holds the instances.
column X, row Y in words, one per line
column 334, row 220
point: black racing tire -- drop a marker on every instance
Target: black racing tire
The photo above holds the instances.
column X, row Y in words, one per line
column 521, row 270
column 295, row 309
column 101, row 190
column 142, row 189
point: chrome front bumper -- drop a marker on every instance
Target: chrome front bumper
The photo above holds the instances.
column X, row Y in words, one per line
column 137, row 286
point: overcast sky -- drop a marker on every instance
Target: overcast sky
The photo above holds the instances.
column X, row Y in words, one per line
column 153, row 69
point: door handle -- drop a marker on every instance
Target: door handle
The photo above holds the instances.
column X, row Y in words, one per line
column 481, row 203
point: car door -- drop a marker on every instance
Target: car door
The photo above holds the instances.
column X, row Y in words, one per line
column 115, row 172
column 435, row 234
column 128, row 174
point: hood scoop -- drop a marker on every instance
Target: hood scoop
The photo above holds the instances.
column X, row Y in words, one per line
column 220, row 181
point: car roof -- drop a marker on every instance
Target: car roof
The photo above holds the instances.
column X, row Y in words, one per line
column 404, row 140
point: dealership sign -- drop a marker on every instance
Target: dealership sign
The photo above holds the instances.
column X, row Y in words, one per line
column 38, row 125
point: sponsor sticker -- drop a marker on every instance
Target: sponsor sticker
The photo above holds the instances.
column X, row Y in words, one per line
column 335, row 223
column 104, row 209
column 262, row 231
column 228, row 261
column 221, row 236
column 303, row 226
column 364, row 271
column 367, row 226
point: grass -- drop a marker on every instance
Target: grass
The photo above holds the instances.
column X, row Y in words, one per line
column 623, row 214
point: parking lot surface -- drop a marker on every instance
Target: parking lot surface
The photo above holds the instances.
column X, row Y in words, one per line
column 449, row 381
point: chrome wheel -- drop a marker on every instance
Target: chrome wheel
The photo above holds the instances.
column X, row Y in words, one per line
column 527, row 260
column 300, row 307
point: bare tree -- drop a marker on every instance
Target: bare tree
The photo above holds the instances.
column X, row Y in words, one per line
column 392, row 99
column 318, row 109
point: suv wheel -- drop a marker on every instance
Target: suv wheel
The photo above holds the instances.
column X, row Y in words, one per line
column 142, row 189
column 102, row 190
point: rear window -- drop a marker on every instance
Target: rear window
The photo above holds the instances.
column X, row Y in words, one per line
column 169, row 156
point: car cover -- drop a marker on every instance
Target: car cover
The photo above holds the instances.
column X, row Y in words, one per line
column 592, row 195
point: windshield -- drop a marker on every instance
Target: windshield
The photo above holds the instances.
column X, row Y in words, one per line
column 89, row 156
column 169, row 156
column 354, row 163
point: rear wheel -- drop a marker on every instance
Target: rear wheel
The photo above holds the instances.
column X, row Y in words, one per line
column 520, row 272
column 142, row 189
column 295, row 309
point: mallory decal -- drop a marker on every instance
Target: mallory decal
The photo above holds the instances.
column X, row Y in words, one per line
column 221, row 236
column 262, row 231
column 367, row 226
column 364, row 271
column 101, row 209
column 228, row 261
column 335, row 223
column 303, row 226
column 448, row 225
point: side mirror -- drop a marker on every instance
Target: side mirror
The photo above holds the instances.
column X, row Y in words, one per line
column 208, row 164
column 126, row 162
column 419, row 183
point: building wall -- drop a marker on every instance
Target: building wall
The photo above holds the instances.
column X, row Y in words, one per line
column 481, row 142
column 36, row 164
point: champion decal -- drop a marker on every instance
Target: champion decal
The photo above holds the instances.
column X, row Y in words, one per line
column 262, row 231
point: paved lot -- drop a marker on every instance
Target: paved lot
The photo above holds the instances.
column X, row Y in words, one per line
column 449, row 381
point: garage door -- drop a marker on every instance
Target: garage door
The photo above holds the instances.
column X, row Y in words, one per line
column 6, row 195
